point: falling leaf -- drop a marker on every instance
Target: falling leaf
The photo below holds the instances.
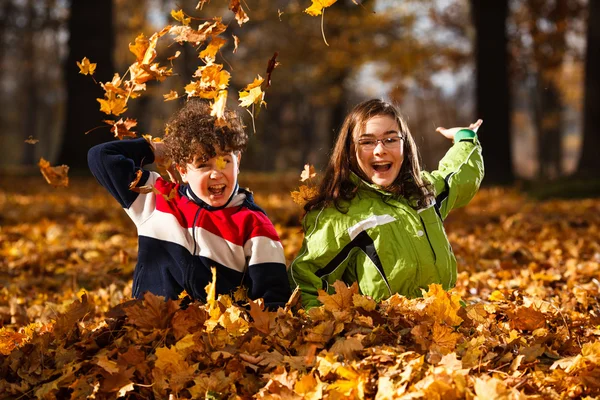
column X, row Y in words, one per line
column 172, row 95
column 252, row 94
column 180, row 16
column 217, row 109
column 113, row 104
column 122, row 129
column 136, row 180
column 240, row 15
column 236, row 43
column 307, row 173
column 304, row 194
column 317, row 7
column 56, row 176
column 85, row 67
column 213, row 47
column 31, row 140
column 271, row 65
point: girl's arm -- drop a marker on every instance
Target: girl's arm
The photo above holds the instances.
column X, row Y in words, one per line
column 460, row 171
column 320, row 259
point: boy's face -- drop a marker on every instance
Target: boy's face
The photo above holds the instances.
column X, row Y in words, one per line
column 213, row 180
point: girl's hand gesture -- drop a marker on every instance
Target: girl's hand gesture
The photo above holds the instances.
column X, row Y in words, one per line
column 450, row 132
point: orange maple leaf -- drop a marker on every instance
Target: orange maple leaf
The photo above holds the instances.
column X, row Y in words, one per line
column 122, row 129
column 56, row 176
column 210, row 52
column 86, row 67
column 304, row 194
column 262, row 319
column 341, row 300
column 113, row 104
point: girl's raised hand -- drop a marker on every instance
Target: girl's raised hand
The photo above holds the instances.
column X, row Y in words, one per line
column 450, row 132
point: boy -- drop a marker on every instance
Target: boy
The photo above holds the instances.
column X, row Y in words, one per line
column 208, row 221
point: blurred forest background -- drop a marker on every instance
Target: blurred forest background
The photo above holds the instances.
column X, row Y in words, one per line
column 524, row 66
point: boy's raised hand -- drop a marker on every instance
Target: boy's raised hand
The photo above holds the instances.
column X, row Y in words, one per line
column 450, row 132
column 161, row 160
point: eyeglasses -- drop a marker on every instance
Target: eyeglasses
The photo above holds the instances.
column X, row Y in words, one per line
column 389, row 142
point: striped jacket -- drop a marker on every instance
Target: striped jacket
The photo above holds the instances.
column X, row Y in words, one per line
column 181, row 237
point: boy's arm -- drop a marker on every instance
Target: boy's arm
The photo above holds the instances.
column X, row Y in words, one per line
column 115, row 165
column 266, row 265
column 459, row 174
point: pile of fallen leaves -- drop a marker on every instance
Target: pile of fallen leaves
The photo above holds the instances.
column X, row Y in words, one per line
column 524, row 319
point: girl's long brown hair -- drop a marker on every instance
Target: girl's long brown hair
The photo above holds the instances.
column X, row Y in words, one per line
column 337, row 189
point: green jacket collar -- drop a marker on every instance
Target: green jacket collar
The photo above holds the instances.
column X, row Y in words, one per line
column 362, row 184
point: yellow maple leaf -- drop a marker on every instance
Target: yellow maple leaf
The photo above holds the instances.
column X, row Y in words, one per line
column 341, row 300
column 309, row 387
column 180, row 16
column 317, row 7
column 304, row 194
column 56, row 176
column 442, row 306
column 210, row 52
column 307, row 173
column 220, row 163
column 217, row 109
column 113, row 104
column 172, row 95
column 444, row 337
column 86, row 67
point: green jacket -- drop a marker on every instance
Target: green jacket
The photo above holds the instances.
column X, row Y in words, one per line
column 383, row 243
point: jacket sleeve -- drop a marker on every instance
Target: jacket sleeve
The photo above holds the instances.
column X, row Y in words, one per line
column 319, row 259
column 459, row 173
column 116, row 164
column 266, row 265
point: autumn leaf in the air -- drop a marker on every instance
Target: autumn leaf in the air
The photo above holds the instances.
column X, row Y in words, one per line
column 122, row 129
column 180, row 16
column 217, row 109
column 307, row 173
column 304, row 194
column 240, row 15
column 317, row 7
column 236, row 43
column 86, row 67
column 172, row 95
column 113, row 104
column 31, row 140
column 210, row 52
column 252, row 94
column 56, row 176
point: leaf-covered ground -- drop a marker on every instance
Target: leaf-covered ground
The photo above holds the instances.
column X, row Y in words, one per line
column 524, row 319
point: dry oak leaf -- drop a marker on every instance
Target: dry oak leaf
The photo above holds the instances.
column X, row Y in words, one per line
column 317, row 7
column 55, row 176
column 307, row 173
column 122, row 129
column 180, row 16
column 341, row 300
column 240, row 16
column 86, row 67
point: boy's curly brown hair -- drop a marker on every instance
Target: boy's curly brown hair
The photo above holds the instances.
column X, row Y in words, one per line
column 191, row 130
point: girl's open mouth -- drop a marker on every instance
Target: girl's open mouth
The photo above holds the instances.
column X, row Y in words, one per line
column 381, row 166
column 217, row 189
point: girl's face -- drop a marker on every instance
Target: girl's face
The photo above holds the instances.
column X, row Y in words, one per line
column 213, row 180
column 380, row 150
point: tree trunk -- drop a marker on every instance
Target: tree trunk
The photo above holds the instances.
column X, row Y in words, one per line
column 492, row 93
column 90, row 35
column 589, row 162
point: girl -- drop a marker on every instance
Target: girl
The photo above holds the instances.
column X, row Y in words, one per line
column 377, row 219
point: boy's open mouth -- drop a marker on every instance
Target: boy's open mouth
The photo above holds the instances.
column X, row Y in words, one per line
column 217, row 189
column 381, row 166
